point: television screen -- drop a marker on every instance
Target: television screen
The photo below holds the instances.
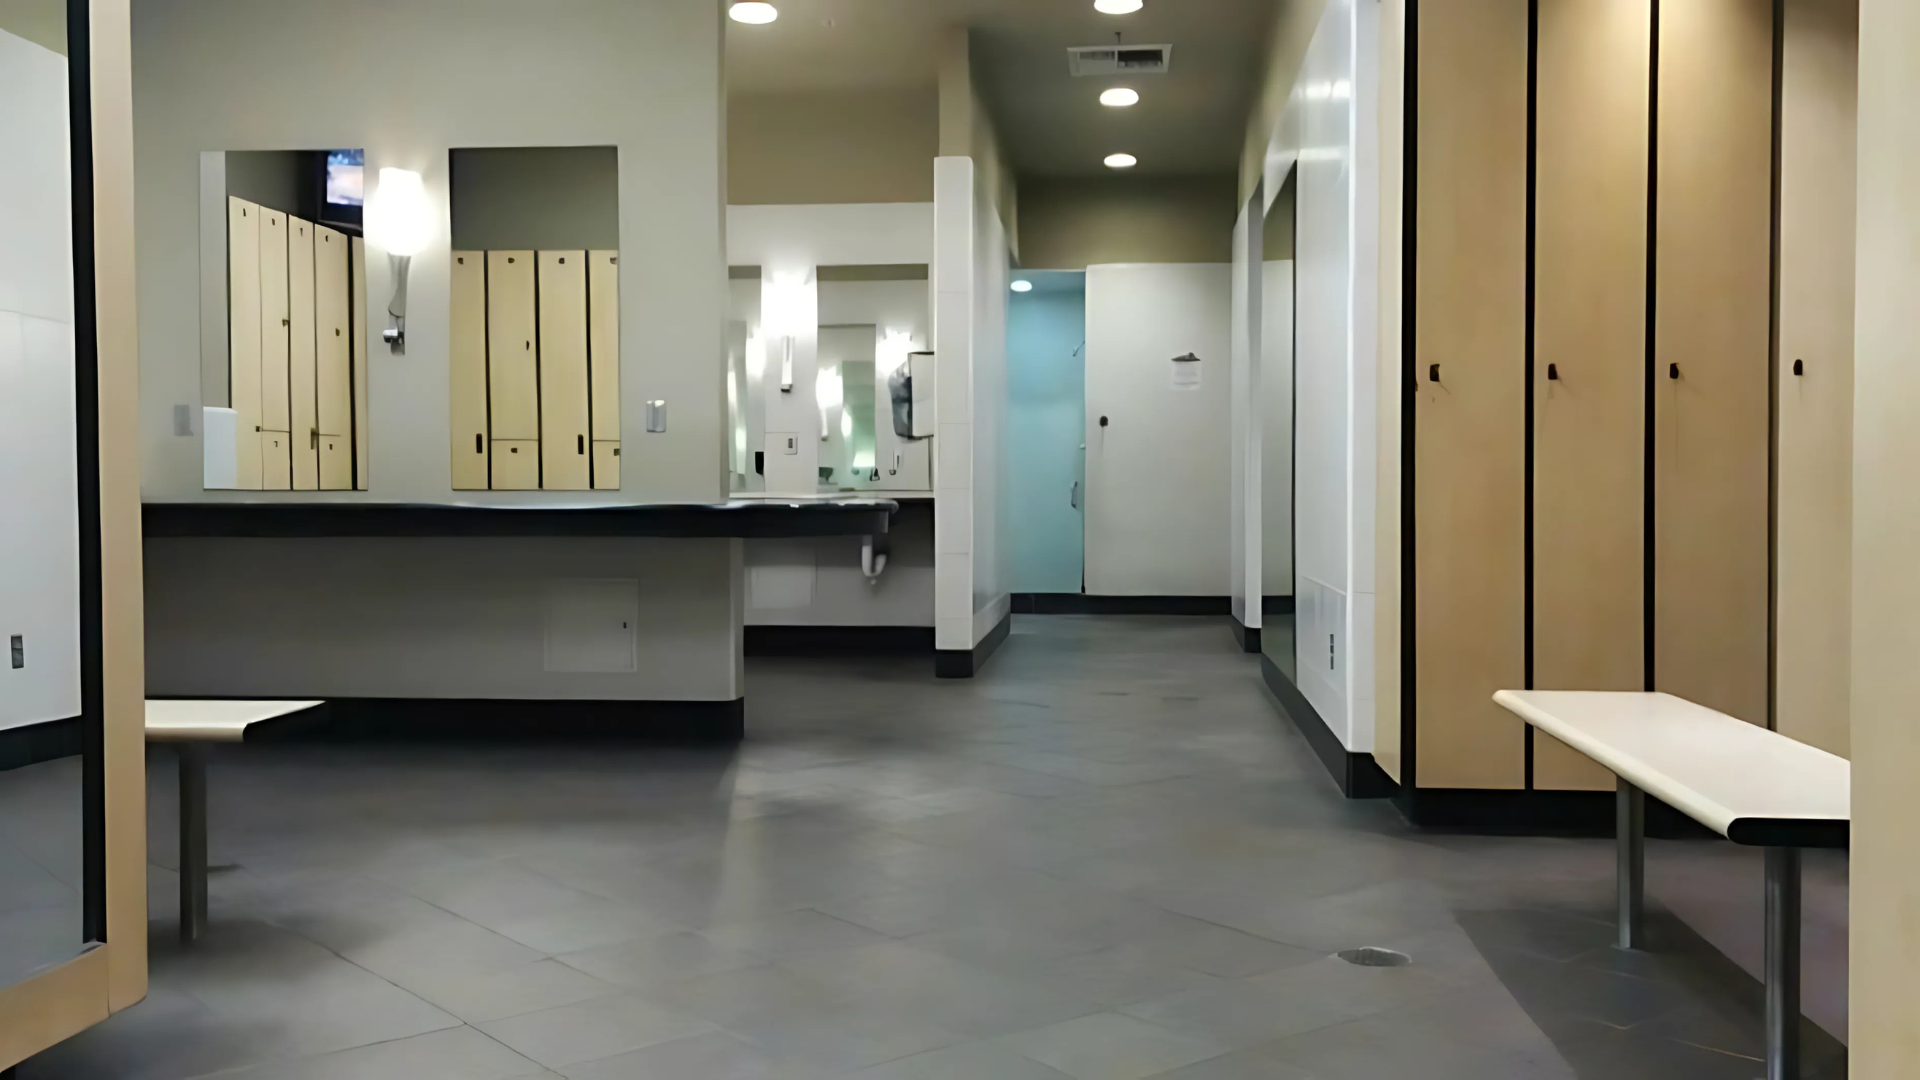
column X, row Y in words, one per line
column 346, row 178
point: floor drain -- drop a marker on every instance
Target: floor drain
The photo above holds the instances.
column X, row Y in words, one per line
column 1374, row 957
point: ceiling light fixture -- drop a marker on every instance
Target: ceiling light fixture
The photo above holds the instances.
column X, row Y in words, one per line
column 1121, row 161
column 1118, row 7
column 1119, row 97
column 1022, row 286
column 756, row 12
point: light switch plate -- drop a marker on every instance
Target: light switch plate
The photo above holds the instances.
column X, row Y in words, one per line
column 656, row 416
column 19, row 650
column 183, row 420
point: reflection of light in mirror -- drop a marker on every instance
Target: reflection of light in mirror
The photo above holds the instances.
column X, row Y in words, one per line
column 891, row 354
column 756, row 357
column 828, row 393
column 846, row 426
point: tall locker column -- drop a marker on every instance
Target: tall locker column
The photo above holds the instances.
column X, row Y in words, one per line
column 1469, row 387
column 1711, row 382
column 301, row 363
column 513, row 372
column 565, row 459
column 357, row 296
column 1590, row 354
column 332, row 442
column 467, row 372
column 243, row 335
column 275, row 396
column 603, row 358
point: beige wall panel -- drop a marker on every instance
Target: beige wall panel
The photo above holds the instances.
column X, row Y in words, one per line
column 516, row 464
column 513, row 367
column 243, row 334
column 1815, row 455
column 274, row 321
column 1590, row 312
column 1470, row 451
column 1713, row 318
column 565, row 463
column 603, row 341
column 870, row 145
column 276, row 460
column 467, row 372
column 1070, row 224
column 333, row 359
column 362, row 433
column 300, row 357
column 606, row 465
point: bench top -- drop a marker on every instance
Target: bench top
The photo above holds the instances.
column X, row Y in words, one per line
column 1751, row 785
column 213, row 721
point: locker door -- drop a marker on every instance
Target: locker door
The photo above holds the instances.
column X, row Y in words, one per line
column 467, row 372
column 1469, row 311
column 516, row 464
column 513, row 365
column 357, row 342
column 274, row 322
column 300, row 244
column 606, row 464
column 1712, row 338
column 1590, row 355
column 565, row 462
column 243, row 335
column 333, row 362
column 603, row 342
column 276, row 460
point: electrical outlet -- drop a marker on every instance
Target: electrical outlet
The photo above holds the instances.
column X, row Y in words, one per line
column 19, row 650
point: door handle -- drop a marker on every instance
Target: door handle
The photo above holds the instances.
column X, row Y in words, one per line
column 1553, row 372
column 1073, row 497
column 313, row 438
column 1673, row 371
column 580, row 444
column 1433, row 372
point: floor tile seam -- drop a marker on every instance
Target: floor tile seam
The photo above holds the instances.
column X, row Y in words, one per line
column 236, row 1070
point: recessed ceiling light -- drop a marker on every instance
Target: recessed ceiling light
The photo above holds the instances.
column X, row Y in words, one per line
column 1118, row 7
column 1119, row 97
column 753, row 11
column 1121, row 161
column 1023, row 286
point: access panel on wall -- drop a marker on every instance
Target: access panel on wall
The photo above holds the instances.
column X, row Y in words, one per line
column 534, row 334
column 291, row 408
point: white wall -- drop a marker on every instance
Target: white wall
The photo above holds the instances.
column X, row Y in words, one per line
column 820, row 582
column 410, row 80
column 1159, row 508
column 1245, row 565
column 39, row 508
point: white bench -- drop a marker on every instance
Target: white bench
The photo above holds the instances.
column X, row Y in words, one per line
column 189, row 725
column 1750, row 785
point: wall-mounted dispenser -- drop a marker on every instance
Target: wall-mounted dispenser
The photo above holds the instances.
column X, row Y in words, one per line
column 910, row 387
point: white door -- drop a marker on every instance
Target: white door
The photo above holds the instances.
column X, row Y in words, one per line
column 1157, row 511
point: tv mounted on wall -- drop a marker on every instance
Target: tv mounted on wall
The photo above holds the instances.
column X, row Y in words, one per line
column 343, row 187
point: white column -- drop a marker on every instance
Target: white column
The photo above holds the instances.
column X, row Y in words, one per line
column 953, row 310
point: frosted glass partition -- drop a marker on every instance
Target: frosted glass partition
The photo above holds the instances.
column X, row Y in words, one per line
column 1275, row 357
column 1046, row 431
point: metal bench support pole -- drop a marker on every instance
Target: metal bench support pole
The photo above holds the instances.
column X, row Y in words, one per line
column 1629, row 830
column 193, row 840
column 1783, row 963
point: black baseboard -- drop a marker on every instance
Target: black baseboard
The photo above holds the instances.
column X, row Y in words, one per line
column 1539, row 813
column 1247, row 636
column 510, row 720
column 966, row 663
column 1082, row 604
column 839, row 640
column 31, row 744
column 1359, row 776
column 1276, row 605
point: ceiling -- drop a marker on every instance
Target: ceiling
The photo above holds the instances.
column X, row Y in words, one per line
column 1190, row 121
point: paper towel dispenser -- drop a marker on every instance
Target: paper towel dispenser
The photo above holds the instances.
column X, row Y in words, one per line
column 910, row 387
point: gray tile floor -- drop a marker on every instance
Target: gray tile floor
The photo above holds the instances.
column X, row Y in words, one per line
column 1107, row 858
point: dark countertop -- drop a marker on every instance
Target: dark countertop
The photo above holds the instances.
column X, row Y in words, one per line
column 741, row 518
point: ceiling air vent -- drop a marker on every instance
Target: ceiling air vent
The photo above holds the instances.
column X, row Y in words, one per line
column 1120, row 59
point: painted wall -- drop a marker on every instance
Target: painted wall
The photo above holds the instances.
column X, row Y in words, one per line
column 858, row 146
column 1046, row 428
column 40, row 525
column 532, row 198
column 1074, row 223
column 1294, row 26
column 820, row 582
column 1276, row 427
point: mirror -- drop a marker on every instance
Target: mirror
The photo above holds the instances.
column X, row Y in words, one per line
column 51, row 894
column 534, row 333
column 873, row 319
column 284, row 319
column 746, row 459
column 1276, row 440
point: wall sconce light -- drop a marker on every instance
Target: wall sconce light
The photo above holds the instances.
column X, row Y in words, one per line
column 783, row 319
column 400, row 219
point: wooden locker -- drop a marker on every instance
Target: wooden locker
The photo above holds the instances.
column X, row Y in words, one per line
column 243, row 336
column 606, row 465
column 1712, row 338
column 301, row 365
column 565, row 462
column 513, row 365
column 603, row 343
column 274, row 322
column 357, row 342
column 1469, row 310
column 333, row 359
column 1590, row 360
column 516, row 464
column 467, row 371
column 276, row 460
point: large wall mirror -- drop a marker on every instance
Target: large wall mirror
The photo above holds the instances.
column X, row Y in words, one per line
column 873, row 322
column 534, row 348
column 1277, row 430
column 285, row 323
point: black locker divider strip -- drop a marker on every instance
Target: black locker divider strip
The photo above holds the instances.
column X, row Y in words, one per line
column 1651, row 477
column 1410, row 393
column 86, row 393
column 539, row 390
column 1773, row 378
column 486, row 357
column 1533, row 175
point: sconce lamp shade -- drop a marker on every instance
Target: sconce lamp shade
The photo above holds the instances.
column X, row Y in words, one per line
column 401, row 216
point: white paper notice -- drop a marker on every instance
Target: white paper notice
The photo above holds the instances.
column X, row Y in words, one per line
column 1186, row 372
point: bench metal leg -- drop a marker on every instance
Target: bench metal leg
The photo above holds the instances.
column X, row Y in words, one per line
column 1783, row 964
column 1630, row 832
column 193, row 841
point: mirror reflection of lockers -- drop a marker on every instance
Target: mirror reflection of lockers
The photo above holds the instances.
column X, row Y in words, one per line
column 1277, row 429
column 534, row 349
